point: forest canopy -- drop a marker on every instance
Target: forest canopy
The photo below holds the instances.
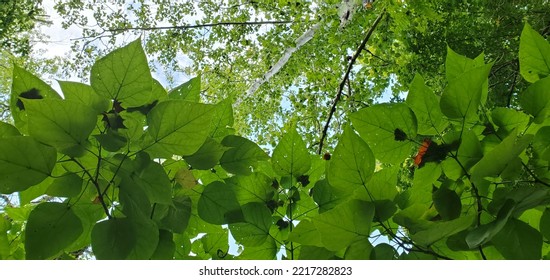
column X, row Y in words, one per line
column 306, row 130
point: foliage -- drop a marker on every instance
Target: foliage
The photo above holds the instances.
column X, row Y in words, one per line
column 412, row 38
column 123, row 169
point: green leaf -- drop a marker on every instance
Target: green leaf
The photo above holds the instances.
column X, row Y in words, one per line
column 123, row 75
column 26, row 86
column 65, row 125
column 125, row 239
column 484, row 233
column 377, row 125
column 383, row 251
column 291, row 157
column 319, row 253
column 345, row 224
column 165, row 248
column 177, row 127
column 351, row 165
column 7, row 130
column 535, row 99
column 153, row 180
column 425, row 105
column 435, row 231
column 256, row 187
column 541, row 143
column 324, row 196
column 84, row 94
column 470, row 151
column 306, row 233
column 218, row 204
column 222, row 121
column 207, row 156
column 267, row 251
column 494, row 162
column 216, row 243
column 242, row 155
column 359, row 250
column 447, row 203
column 255, row 229
column 456, row 64
column 176, row 218
column 50, row 229
column 534, row 55
column 68, row 185
column 518, row 241
column 23, row 163
column 189, row 90
column 509, row 119
column 134, row 200
column 544, row 224
column 462, row 96
column 111, row 141
column 421, row 191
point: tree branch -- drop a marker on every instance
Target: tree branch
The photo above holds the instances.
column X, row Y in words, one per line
column 184, row 27
column 346, row 77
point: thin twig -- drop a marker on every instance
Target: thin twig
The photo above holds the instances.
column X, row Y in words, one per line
column 346, row 77
column 184, row 27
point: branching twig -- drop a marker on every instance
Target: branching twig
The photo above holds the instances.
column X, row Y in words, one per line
column 346, row 77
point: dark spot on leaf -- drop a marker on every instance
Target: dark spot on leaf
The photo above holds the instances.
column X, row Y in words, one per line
column 33, row 93
column 282, row 224
column 143, row 109
column 117, row 106
column 304, row 180
column 272, row 205
column 326, row 156
column 275, row 184
column 489, row 129
column 399, row 135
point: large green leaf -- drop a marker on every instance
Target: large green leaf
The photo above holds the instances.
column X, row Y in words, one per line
column 306, row 233
column 7, row 130
column 218, row 204
column 207, row 156
column 222, row 121
column 435, row 231
column 351, row 165
column 255, row 229
column 68, row 185
column 324, row 196
column 456, row 64
column 84, row 94
column 51, row 227
column 518, row 241
column 463, row 95
column 63, row 124
column 165, row 248
column 125, row 239
column 242, row 155
column 177, row 127
column 495, row 162
column 509, row 119
column 425, row 105
column 534, row 55
column 484, row 233
column 256, row 187
column 26, row 86
column 23, row 163
column 189, row 90
column 291, row 157
column 177, row 216
column 123, row 75
column 379, row 124
column 536, row 100
column 345, row 224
